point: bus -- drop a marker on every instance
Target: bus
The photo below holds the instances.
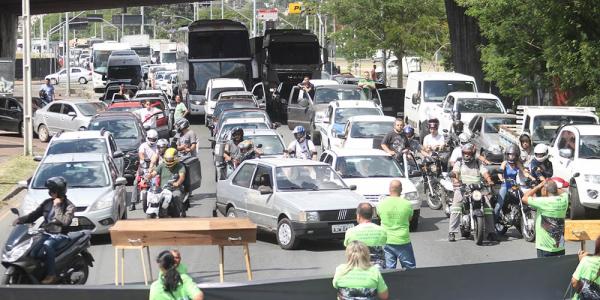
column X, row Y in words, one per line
column 208, row 49
column 99, row 61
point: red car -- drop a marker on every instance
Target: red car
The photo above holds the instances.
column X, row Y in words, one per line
column 163, row 122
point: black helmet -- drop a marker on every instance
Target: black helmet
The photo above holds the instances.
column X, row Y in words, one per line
column 182, row 124
column 512, row 152
column 57, row 185
column 456, row 115
column 458, row 126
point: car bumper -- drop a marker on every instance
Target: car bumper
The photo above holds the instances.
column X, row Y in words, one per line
column 98, row 222
column 589, row 194
column 196, row 109
column 318, row 230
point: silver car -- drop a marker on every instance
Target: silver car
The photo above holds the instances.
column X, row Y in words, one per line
column 94, row 186
column 484, row 129
column 296, row 199
column 64, row 116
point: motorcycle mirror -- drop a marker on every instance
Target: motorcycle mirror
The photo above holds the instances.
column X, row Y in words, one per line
column 576, row 174
column 14, row 211
column 259, row 146
column 352, row 187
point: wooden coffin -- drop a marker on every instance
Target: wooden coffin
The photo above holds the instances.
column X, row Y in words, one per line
column 183, row 232
column 582, row 230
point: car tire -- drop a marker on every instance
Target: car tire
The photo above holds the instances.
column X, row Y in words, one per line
column 576, row 210
column 231, row 213
column 43, row 133
column 82, row 80
column 286, row 237
column 414, row 222
column 21, row 129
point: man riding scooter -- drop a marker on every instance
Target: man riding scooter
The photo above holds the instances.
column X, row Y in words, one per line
column 147, row 150
column 166, row 171
column 58, row 213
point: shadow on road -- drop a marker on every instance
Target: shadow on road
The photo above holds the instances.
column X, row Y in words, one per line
column 308, row 245
column 429, row 224
column 100, row 239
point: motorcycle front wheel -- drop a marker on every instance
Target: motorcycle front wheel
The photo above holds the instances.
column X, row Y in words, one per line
column 478, row 226
column 435, row 201
column 15, row 276
column 500, row 228
column 528, row 225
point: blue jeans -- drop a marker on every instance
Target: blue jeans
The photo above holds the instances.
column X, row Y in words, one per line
column 501, row 197
column 47, row 251
column 403, row 253
column 542, row 253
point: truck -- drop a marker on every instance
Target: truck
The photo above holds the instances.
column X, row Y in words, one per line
column 426, row 90
column 140, row 43
column 469, row 104
column 168, row 53
column 541, row 123
column 99, row 61
column 283, row 57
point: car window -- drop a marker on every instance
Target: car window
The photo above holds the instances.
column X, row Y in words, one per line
column 113, row 170
column 63, row 72
column 113, row 145
column 12, row 105
column 271, row 144
column 329, row 160
column 121, row 129
column 323, row 156
column 2, row 103
column 67, row 109
column 244, row 175
column 76, row 71
column 477, row 126
column 90, row 174
column 55, row 108
column 91, row 108
column 262, row 177
column 567, row 140
column 96, row 145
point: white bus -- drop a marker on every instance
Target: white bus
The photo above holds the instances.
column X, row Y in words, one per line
column 100, row 54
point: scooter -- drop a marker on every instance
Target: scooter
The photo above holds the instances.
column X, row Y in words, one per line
column 160, row 200
column 72, row 258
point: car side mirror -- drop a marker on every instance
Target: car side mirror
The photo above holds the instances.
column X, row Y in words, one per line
column 14, row 211
column 120, row 181
column 22, row 184
column 341, row 136
column 565, row 153
column 276, row 125
column 576, row 175
column 352, row 187
column 118, row 154
column 37, row 158
column 72, row 114
column 415, row 98
column 265, row 190
column 415, row 173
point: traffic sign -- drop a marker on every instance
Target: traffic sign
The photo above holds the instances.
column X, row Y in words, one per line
column 267, row 14
column 294, row 8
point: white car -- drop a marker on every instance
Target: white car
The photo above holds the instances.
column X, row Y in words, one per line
column 80, row 75
column 372, row 170
column 337, row 115
column 361, row 131
column 216, row 86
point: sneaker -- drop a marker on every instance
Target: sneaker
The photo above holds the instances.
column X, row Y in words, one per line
column 451, row 237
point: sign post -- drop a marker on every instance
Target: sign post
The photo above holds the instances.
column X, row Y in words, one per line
column 267, row 14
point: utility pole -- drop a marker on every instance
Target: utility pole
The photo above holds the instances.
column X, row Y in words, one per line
column 142, row 13
column 195, row 6
column 27, row 132
column 254, row 32
column 223, row 9
column 68, row 54
column 211, row 15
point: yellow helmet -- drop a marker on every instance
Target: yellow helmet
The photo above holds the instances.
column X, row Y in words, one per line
column 171, row 157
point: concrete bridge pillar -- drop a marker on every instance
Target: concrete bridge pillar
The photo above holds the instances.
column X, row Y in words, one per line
column 8, row 33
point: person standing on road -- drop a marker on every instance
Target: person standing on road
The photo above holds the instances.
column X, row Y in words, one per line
column 551, row 209
column 373, row 73
column 358, row 278
column 188, row 141
column 48, row 89
column 396, row 213
column 374, row 236
column 171, row 284
column 181, row 110
column 586, row 278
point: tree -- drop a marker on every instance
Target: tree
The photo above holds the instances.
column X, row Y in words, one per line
column 403, row 27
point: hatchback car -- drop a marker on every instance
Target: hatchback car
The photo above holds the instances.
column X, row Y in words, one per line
column 80, row 75
column 296, row 199
column 93, row 186
column 64, row 115
column 11, row 115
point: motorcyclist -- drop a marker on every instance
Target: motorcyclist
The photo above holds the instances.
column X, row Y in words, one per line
column 413, row 144
column 469, row 170
column 247, row 150
column 302, row 147
column 511, row 168
column 456, row 129
column 157, row 158
column 147, row 150
column 231, row 151
column 58, row 213
column 541, row 167
column 166, row 171
column 433, row 141
column 188, row 141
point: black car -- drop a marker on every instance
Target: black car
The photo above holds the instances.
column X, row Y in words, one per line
column 129, row 134
column 11, row 115
column 226, row 104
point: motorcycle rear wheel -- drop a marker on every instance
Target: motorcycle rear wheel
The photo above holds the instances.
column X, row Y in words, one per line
column 528, row 232
column 500, row 228
column 478, row 226
column 81, row 266
column 435, row 201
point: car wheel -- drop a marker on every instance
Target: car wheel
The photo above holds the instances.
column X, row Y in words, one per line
column 82, row 80
column 231, row 213
column 21, row 129
column 43, row 133
column 286, row 237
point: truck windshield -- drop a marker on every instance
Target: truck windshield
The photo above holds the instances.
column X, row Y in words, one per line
column 479, row 106
column 125, row 72
column 219, row 44
column 544, row 127
column 143, row 51
column 436, row 90
column 294, row 54
column 589, row 147
column 201, row 72
column 168, row 58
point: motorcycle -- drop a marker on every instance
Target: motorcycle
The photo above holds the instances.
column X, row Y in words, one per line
column 432, row 172
column 472, row 218
column 44, row 99
column 160, row 200
column 72, row 258
column 515, row 213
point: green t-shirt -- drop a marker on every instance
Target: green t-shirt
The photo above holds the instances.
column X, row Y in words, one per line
column 186, row 290
column 368, row 233
column 166, row 174
column 550, row 222
column 395, row 214
column 366, row 282
column 180, row 109
column 587, row 270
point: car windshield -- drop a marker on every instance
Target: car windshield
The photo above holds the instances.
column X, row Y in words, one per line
column 224, row 97
column 96, row 145
column 492, row 125
column 342, row 114
column 589, row 147
column 271, row 144
column 480, row 106
column 121, row 129
column 91, row 174
column 369, row 130
column 221, row 106
column 544, row 127
column 438, row 89
column 90, row 109
column 368, row 167
column 226, row 128
column 314, row 178
column 328, row 94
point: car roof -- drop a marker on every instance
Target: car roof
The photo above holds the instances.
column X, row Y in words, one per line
column 145, row 92
column 259, row 131
column 371, row 118
column 583, row 129
column 345, row 152
column 83, row 134
column 75, row 101
column 440, row 76
column 339, row 86
column 321, row 82
column 227, row 82
column 496, row 115
column 125, row 104
column 243, row 120
column 288, row 162
column 472, row 95
column 352, row 103
column 74, row 157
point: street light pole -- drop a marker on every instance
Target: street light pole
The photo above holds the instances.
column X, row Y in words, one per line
column 142, row 13
column 68, row 54
column 223, row 9
column 27, row 128
column 254, row 32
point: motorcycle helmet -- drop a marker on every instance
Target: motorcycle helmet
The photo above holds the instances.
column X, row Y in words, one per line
column 433, row 123
column 170, row 157
column 512, row 152
column 457, row 126
column 57, row 185
column 182, row 124
column 237, row 134
column 409, row 131
column 463, row 138
column 541, row 152
column 299, row 133
column 245, row 146
column 468, row 151
column 151, row 137
column 456, row 115
column 162, row 144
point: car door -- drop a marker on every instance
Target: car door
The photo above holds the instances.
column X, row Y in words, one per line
column 76, row 74
column 258, row 90
column 411, row 104
column 392, row 101
column 261, row 207
column 67, row 122
column 52, row 117
column 13, row 114
column 240, row 187
column 119, row 161
column 563, row 165
column 446, row 115
column 294, row 110
column 119, row 192
column 62, row 76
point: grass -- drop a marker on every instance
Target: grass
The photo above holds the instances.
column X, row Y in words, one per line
column 13, row 170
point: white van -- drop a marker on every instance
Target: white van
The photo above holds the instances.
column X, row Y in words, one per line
column 216, row 86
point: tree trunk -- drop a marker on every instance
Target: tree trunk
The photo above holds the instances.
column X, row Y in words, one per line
column 400, row 74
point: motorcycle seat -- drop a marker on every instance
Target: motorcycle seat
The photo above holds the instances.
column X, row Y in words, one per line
column 73, row 237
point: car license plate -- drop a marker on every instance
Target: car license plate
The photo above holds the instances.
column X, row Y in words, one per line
column 341, row 228
column 74, row 222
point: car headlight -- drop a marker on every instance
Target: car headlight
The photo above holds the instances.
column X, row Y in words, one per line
column 308, row 216
column 476, row 195
column 320, row 117
column 102, row 204
column 17, row 252
column 412, row 196
column 591, row 178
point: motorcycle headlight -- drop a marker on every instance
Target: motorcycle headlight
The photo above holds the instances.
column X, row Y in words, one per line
column 320, row 117
column 476, row 195
column 308, row 216
column 17, row 252
column 102, row 204
column 591, row 178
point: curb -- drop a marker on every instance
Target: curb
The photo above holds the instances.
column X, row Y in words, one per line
column 17, row 189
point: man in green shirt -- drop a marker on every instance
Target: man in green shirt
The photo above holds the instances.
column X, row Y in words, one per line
column 167, row 171
column 550, row 220
column 181, row 110
column 366, row 83
column 369, row 233
column 395, row 213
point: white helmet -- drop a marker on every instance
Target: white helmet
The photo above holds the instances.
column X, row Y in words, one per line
column 464, row 138
column 151, row 137
column 541, row 152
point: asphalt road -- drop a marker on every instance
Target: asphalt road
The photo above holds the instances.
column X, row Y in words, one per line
column 271, row 262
